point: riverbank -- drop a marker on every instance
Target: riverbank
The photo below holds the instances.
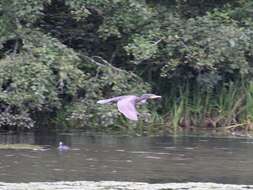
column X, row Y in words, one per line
column 113, row 185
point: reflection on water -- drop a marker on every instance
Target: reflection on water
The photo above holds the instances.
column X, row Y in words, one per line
column 149, row 159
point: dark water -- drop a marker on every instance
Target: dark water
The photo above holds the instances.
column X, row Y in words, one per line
column 147, row 159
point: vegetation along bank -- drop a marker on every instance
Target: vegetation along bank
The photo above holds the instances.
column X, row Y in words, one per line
column 58, row 57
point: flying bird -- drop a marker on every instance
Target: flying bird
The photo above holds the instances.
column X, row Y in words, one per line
column 126, row 104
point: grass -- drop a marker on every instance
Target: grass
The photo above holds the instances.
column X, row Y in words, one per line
column 227, row 105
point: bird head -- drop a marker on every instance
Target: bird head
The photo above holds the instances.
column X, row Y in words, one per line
column 150, row 96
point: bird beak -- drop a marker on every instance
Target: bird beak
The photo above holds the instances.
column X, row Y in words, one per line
column 155, row 97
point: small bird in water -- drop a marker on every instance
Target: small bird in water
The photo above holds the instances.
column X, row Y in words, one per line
column 62, row 147
column 126, row 104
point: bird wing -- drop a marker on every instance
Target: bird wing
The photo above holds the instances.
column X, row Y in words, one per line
column 105, row 101
column 127, row 107
column 142, row 101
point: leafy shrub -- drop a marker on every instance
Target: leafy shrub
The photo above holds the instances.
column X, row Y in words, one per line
column 60, row 56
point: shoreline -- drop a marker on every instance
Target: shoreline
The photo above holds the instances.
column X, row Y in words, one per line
column 116, row 185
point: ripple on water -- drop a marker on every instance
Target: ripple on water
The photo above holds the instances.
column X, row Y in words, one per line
column 120, row 150
column 140, row 152
column 189, row 148
column 58, row 169
column 9, row 155
column 220, row 148
column 91, row 159
column 153, row 157
column 146, row 152
column 170, row 147
column 247, row 142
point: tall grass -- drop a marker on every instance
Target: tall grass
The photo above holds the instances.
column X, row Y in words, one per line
column 193, row 106
column 177, row 111
column 249, row 102
column 228, row 106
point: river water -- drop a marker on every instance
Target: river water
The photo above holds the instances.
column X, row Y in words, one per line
column 121, row 158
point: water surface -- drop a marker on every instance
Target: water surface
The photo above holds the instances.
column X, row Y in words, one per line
column 121, row 158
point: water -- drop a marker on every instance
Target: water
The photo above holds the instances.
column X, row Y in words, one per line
column 119, row 158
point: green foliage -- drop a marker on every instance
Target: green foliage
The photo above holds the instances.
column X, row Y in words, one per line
column 193, row 8
column 16, row 121
column 201, row 45
column 142, row 48
column 59, row 57
column 27, row 83
column 63, row 61
column 36, row 78
column 23, row 11
column 108, row 82
column 15, row 14
column 215, row 108
column 120, row 17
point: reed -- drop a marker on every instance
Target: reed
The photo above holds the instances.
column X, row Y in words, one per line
column 225, row 105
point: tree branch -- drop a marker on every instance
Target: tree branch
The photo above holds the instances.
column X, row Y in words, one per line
column 103, row 63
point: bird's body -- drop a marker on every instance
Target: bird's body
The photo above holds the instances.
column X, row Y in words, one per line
column 126, row 104
column 62, row 147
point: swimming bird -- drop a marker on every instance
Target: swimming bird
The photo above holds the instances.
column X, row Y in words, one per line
column 126, row 104
column 62, row 147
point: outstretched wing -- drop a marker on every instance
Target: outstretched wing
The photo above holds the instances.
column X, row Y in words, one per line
column 110, row 100
column 127, row 107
